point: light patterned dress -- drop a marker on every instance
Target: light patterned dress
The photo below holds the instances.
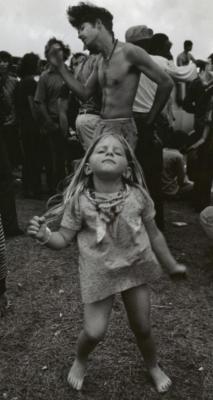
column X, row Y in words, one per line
column 117, row 255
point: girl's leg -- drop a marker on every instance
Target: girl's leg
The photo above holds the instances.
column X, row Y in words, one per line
column 96, row 317
column 137, row 304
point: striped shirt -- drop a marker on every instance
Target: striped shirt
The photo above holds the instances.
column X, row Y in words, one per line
column 3, row 263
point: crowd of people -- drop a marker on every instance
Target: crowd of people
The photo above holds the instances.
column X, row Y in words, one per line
column 104, row 123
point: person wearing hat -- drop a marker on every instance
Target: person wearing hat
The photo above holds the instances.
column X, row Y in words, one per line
column 149, row 147
column 117, row 72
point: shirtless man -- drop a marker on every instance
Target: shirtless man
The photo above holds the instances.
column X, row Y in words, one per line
column 117, row 71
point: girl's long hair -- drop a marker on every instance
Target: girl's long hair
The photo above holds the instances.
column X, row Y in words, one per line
column 79, row 181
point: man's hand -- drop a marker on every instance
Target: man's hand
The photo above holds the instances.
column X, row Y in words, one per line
column 55, row 56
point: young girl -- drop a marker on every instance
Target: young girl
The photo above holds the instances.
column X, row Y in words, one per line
column 113, row 217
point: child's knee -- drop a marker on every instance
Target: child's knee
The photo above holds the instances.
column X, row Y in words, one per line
column 142, row 330
column 95, row 333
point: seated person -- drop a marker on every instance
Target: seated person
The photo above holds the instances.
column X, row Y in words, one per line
column 175, row 183
column 206, row 220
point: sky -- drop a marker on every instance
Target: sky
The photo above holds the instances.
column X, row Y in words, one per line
column 26, row 25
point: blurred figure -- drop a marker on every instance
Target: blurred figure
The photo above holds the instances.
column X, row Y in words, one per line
column 175, row 182
column 186, row 57
column 3, row 272
column 47, row 94
column 9, row 125
column 77, row 59
column 199, row 100
column 7, row 196
column 150, row 138
column 206, row 220
column 29, row 124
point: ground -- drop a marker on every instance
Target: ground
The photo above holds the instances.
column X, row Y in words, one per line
column 38, row 334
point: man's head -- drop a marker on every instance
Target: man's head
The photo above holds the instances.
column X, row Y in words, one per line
column 77, row 59
column 56, row 44
column 187, row 45
column 160, row 45
column 209, row 66
column 30, row 63
column 89, row 20
column 5, row 62
column 139, row 35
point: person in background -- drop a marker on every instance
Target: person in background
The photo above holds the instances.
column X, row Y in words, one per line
column 46, row 96
column 3, row 272
column 9, row 125
column 76, row 59
column 7, row 194
column 199, row 101
column 150, row 138
column 29, row 125
column 186, row 57
column 175, row 182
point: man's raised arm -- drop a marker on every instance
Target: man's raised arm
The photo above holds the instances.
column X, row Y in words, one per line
column 84, row 92
column 141, row 60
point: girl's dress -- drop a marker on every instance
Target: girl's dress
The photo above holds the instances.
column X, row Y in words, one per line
column 114, row 248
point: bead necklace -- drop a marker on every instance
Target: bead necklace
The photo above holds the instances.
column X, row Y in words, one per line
column 107, row 59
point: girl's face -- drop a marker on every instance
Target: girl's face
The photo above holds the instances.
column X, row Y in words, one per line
column 108, row 158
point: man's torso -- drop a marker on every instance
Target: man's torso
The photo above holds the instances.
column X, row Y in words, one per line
column 119, row 81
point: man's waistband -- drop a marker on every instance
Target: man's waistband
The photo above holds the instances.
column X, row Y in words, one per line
column 89, row 112
column 117, row 119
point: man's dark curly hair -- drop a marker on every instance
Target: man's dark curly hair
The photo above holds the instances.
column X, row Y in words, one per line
column 5, row 56
column 87, row 12
column 29, row 65
column 65, row 48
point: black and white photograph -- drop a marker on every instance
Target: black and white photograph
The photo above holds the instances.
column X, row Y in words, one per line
column 106, row 200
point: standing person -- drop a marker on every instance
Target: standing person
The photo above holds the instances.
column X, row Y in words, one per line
column 113, row 218
column 149, row 149
column 9, row 125
column 7, row 195
column 117, row 72
column 29, row 124
column 3, row 272
column 46, row 96
column 199, row 101
column 186, row 57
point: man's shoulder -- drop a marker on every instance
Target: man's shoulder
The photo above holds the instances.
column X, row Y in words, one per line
column 180, row 55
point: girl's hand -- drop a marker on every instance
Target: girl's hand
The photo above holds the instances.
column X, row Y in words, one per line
column 37, row 228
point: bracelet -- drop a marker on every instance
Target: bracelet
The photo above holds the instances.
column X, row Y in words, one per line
column 48, row 234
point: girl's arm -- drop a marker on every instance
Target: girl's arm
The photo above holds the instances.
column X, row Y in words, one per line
column 56, row 240
column 162, row 251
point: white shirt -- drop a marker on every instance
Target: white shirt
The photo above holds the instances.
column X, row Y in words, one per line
column 147, row 88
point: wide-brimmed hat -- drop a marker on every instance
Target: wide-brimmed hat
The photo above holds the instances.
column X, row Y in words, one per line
column 137, row 33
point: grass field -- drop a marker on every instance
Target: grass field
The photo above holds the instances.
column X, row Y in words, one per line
column 39, row 332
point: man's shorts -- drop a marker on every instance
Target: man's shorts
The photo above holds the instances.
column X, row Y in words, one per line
column 86, row 125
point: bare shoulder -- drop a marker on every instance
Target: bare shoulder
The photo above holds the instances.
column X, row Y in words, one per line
column 133, row 52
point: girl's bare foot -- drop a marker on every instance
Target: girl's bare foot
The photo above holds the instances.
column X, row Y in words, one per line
column 76, row 374
column 180, row 270
column 161, row 380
